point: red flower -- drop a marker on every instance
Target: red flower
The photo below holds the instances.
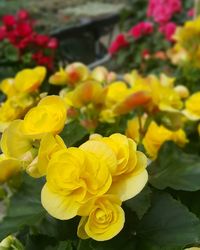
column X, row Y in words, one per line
column 119, row 42
column 53, row 43
column 24, row 29
column 141, row 29
column 168, row 30
column 8, row 20
column 23, row 15
column 41, row 40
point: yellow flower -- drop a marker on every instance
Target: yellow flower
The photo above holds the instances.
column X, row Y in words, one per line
column 156, row 135
column 76, row 73
column 7, row 87
column 182, row 91
column 165, row 97
column 154, row 138
column 107, row 115
column 87, row 92
column 59, row 78
column 48, row 117
column 14, row 144
column 8, row 168
column 129, row 174
column 192, row 248
column 14, row 108
column 116, row 92
column 28, row 80
column 99, row 74
column 49, row 145
column 106, row 219
column 192, row 107
column 73, row 177
column 133, row 128
column 179, row 137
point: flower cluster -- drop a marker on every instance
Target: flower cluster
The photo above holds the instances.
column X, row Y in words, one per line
column 187, row 48
column 92, row 181
column 21, row 94
column 162, row 11
column 28, row 144
column 19, row 32
column 140, row 44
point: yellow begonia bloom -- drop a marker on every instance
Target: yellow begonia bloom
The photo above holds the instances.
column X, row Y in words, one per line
column 107, row 115
column 116, row 92
column 59, row 78
column 15, row 144
column 182, row 91
column 193, row 248
column 7, row 87
column 48, row 117
column 73, row 177
column 156, row 135
column 99, row 74
column 164, row 97
column 133, row 128
column 188, row 35
column 14, row 108
column 192, row 107
column 49, row 145
column 76, row 73
column 85, row 93
column 106, row 219
column 28, row 80
column 129, row 175
column 8, row 168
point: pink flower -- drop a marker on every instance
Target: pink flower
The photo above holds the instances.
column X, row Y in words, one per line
column 119, row 42
column 168, row 30
column 163, row 10
column 141, row 29
column 9, row 20
column 53, row 43
column 190, row 13
column 23, row 15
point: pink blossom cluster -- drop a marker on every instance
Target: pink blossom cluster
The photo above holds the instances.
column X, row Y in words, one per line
column 162, row 11
column 137, row 31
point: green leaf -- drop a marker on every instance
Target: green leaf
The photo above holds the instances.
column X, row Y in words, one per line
column 175, row 169
column 140, row 203
column 73, row 133
column 62, row 230
column 11, row 53
column 168, row 223
column 65, row 245
column 43, row 242
column 25, row 207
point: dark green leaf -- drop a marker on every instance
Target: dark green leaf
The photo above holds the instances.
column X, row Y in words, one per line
column 141, row 203
column 43, row 242
column 175, row 169
column 25, row 207
column 65, row 245
column 61, row 230
column 11, row 53
column 168, row 223
column 73, row 133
